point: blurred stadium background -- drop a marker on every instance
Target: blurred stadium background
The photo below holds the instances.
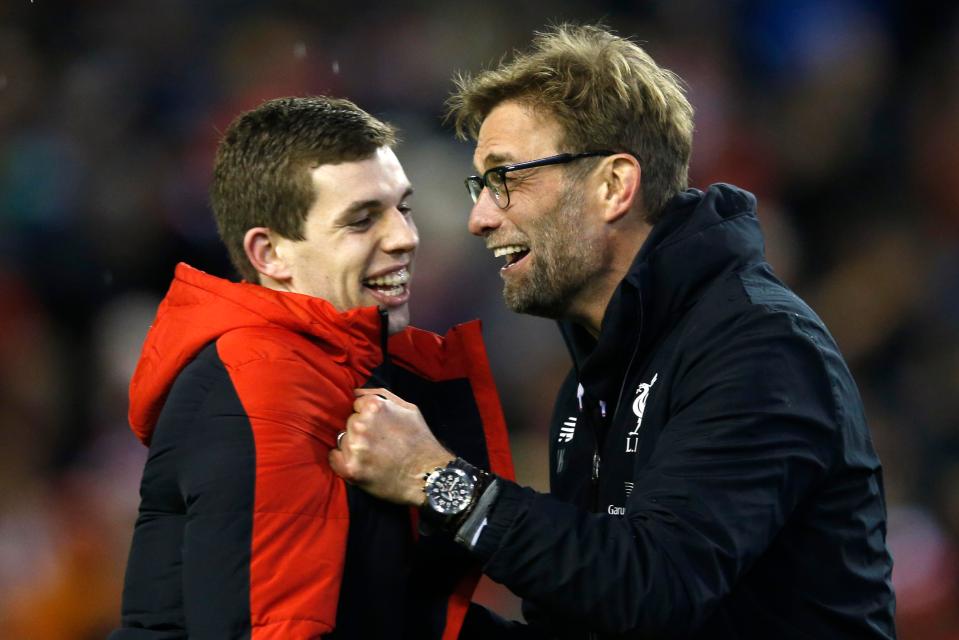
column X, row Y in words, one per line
column 841, row 115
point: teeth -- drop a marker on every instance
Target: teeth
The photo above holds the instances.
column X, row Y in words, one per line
column 395, row 279
column 395, row 291
column 509, row 249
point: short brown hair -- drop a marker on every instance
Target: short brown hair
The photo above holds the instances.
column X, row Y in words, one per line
column 261, row 173
column 606, row 93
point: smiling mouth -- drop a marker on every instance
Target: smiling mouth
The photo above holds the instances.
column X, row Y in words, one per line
column 391, row 285
column 512, row 252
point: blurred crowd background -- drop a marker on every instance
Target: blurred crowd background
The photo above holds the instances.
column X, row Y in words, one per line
column 841, row 115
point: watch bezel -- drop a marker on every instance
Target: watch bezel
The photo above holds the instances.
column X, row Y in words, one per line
column 458, row 505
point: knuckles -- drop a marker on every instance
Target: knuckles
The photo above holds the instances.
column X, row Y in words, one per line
column 350, row 472
column 367, row 404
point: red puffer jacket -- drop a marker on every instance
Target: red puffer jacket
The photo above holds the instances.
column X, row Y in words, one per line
column 244, row 530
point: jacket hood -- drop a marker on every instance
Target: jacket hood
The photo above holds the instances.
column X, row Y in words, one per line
column 700, row 236
column 199, row 308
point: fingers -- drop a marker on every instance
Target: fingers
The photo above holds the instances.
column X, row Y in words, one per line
column 341, row 464
column 384, row 394
column 377, row 391
column 369, row 403
column 337, row 463
column 350, row 448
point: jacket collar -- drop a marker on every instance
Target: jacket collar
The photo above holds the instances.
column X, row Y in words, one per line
column 199, row 308
column 700, row 236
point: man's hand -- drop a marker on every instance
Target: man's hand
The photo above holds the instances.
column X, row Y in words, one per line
column 387, row 448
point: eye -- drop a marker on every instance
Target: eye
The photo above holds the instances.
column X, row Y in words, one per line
column 405, row 208
column 361, row 224
column 496, row 178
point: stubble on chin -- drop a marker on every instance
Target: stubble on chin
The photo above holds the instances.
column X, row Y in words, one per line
column 563, row 263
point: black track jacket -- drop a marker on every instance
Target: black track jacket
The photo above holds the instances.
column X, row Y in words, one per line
column 712, row 474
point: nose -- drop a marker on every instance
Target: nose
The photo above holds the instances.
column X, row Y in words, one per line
column 401, row 235
column 485, row 215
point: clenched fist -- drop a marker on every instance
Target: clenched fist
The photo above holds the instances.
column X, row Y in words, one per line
column 387, row 447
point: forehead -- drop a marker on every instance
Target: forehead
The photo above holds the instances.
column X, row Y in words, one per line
column 379, row 177
column 514, row 132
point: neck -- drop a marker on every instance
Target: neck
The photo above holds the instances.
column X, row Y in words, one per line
column 590, row 307
column 589, row 311
column 276, row 285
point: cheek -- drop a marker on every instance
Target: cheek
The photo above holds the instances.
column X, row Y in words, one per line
column 545, row 232
column 330, row 277
column 349, row 274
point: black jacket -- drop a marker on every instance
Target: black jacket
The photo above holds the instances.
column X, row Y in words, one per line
column 735, row 492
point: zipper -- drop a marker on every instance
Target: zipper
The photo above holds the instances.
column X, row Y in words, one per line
column 585, row 413
column 384, row 339
column 594, row 479
column 632, row 358
column 597, row 460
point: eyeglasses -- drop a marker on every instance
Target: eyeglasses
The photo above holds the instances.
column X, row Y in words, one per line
column 495, row 178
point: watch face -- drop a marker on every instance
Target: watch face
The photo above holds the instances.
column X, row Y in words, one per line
column 449, row 490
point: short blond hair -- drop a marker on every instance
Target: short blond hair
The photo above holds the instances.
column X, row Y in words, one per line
column 604, row 90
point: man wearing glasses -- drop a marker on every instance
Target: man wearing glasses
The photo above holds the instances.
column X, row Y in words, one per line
column 711, row 470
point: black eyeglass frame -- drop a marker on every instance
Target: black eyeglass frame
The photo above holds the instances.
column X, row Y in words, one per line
column 475, row 184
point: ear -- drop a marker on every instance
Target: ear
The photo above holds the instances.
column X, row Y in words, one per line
column 622, row 177
column 263, row 252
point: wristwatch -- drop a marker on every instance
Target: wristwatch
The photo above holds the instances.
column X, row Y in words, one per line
column 451, row 492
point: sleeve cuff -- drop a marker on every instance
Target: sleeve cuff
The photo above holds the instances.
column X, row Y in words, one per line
column 482, row 531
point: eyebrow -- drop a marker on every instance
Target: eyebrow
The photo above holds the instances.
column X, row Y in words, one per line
column 360, row 205
column 497, row 159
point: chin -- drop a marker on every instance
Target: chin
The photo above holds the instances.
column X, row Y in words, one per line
column 534, row 301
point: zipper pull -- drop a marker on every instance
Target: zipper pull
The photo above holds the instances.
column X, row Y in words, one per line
column 602, row 408
column 595, row 466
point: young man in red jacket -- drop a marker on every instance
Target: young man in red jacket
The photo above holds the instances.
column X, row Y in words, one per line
column 244, row 531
